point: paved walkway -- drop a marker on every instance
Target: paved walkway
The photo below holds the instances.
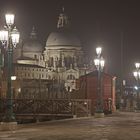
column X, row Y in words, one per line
column 119, row 126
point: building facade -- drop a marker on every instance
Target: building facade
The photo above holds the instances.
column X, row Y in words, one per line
column 88, row 89
column 61, row 59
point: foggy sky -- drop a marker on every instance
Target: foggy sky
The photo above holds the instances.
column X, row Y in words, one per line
column 94, row 21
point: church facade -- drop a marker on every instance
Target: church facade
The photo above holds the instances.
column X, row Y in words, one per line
column 62, row 58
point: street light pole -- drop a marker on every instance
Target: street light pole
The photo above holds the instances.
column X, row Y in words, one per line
column 99, row 63
column 9, row 37
column 137, row 77
column 9, row 116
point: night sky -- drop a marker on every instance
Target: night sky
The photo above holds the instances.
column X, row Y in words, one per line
column 94, row 21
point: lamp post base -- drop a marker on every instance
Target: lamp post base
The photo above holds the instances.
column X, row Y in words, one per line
column 99, row 115
column 8, row 126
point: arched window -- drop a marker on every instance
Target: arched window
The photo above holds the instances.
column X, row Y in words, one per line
column 35, row 56
column 51, row 61
column 48, row 77
column 32, row 75
column 71, row 77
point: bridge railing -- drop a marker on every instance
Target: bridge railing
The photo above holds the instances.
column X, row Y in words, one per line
column 78, row 107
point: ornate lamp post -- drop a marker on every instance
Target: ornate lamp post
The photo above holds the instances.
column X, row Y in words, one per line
column 137, row 77
column 99, row 63
column 10, row 38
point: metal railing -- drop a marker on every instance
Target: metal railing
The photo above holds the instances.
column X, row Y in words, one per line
column 36, row 107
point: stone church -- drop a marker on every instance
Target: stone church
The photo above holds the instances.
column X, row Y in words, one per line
column 62, row 58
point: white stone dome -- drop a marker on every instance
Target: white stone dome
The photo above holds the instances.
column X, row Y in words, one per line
column 61, row 39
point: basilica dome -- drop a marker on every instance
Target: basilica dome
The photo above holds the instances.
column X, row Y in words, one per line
column 61, row 38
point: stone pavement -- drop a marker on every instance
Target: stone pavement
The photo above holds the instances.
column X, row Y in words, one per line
column 118, row 126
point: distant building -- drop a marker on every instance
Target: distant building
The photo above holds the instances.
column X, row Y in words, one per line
column 62, row 58
column 87, row 86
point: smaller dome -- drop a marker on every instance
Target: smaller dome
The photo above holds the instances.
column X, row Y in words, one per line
column 32, row 45
column 62, row 39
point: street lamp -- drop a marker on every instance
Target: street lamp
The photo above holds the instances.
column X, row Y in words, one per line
column 9, row 38
column 137, row 77
column 99, row 63
column 13, row 78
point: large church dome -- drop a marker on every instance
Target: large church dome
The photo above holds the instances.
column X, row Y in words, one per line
column 32, row 45
column 62, row 38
